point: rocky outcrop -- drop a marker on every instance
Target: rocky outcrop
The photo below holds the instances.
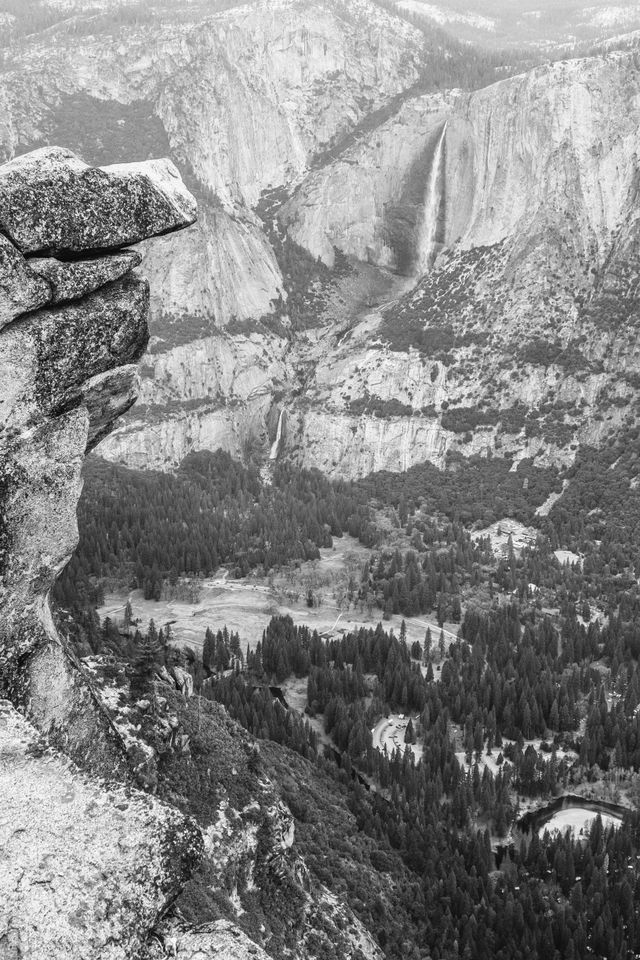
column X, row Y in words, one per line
column 66, row 375
column 86, row 871
column 21, row 289
column 74, row 279
column 52, row 200
column 220, row 940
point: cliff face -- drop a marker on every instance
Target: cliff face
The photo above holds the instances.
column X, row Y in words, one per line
column 68, row 372
column 559, row 141
column 80, row 877
column 524, row 194
column 369, row 201
column 490, row 220
column 220, row 269
column 245, row 101
column 208, row 393
column 530, row 306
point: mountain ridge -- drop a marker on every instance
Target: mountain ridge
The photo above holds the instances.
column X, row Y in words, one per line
column 242, row 265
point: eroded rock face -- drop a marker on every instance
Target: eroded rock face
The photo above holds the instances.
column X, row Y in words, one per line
column 66, row 374
column 220, row 940
column 88, row 870
column 52, row 200
column 85, row 871
column 74, row 279
column 20, row 289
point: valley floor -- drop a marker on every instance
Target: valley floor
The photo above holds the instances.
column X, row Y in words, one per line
column 247, row 605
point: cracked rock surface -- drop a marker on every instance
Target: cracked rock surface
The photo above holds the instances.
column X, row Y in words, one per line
column 51, row 200
column 73, row 321
column 85, row 869
column 73, row 279
column 21, row 289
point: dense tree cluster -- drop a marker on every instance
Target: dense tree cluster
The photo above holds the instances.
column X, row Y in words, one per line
column 220, row 650
column 478, row 490
column 140, row 528
column 599, row 513
column 256, row 708
column 564, row 896
column 418, row 582
column 516, row 683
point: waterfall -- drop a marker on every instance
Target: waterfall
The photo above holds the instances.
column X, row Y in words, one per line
column 426, row 233
column 273, row 453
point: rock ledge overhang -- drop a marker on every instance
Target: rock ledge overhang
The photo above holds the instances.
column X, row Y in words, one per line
column 88, row 868
column 73, row 323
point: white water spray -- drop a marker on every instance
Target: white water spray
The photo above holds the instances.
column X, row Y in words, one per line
column 426, row 234
column 273, row 453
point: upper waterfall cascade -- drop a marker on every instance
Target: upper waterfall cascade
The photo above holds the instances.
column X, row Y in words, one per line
column 426, row 233
column 273, row 453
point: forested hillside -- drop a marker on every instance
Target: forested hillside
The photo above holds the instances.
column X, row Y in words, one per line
column 537, row 697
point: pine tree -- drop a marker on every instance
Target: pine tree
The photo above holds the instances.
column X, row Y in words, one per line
column 208, row 649
column 146, row 660
column 128, row 615
column 409, row 734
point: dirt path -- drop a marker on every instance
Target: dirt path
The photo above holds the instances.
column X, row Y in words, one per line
column 389, row 732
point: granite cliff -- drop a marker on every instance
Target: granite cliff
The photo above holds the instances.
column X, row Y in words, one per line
column 522, row 335
column 79, row 877
column 489, row 235
column 246, row 101
column 75, row 322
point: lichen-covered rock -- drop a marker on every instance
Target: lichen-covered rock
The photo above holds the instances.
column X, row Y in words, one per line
column 48, row 357
column 50, row 200
column 74, row 279
column 26, row 285
column 20, row 289
column 65, row 375
column 82, row 339
column 221, row 940
column 106, row 397
column 85, row 871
